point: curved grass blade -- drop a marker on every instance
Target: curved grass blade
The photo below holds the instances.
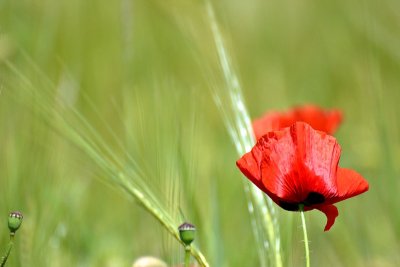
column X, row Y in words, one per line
column 230, row 102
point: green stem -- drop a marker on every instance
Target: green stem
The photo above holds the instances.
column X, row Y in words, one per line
column 306, row 245
column 171, row 228
column 187, row 256
column 8, row 251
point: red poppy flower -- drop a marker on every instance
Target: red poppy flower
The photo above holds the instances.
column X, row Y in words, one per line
column 298, row 166
column 322, row 120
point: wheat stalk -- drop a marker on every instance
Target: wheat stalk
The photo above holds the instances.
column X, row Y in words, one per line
column 230, row 102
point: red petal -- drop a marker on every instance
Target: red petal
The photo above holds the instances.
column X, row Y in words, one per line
column 249, row 164
column 272, row 121
column 278, row 173
column 349, row 184
column 290, row 164
column 322, row 120
column 331, row 213
column 300, row 162
column 319, row 119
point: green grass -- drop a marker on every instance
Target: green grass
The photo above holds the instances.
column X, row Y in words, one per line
column 128, row 87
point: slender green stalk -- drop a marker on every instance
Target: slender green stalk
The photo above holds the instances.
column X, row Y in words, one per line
column 164, row 220
column 306, row 245
column 187, row 256
column 230, row 101
column 8, row 251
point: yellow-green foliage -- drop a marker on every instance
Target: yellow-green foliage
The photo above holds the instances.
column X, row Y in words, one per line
column 104, row 95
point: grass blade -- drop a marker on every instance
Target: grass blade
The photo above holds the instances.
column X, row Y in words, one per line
column 237, row 120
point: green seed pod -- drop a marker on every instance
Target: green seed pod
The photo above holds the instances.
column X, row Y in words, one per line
column 187, row 232
column 14, row 221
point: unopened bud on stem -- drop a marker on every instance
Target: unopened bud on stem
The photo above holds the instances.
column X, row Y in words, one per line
column 14, row 221
column 187, row 233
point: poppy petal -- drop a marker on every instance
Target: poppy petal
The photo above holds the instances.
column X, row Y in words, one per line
column 301, row 162
column 322, row 120
column 272, row 121
column 349, row 184
column 319, row 119
column 331, row 213
column 293, row 164
column 278, row 175
column 249, row 164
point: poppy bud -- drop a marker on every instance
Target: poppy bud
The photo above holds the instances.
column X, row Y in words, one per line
column 187, row 232
column 14, row 221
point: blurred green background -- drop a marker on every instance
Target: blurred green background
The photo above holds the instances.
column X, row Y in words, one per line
column 140, row 73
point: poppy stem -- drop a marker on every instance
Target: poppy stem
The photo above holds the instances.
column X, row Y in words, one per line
column 306, row 245
column 8, row 251
column 187, row 256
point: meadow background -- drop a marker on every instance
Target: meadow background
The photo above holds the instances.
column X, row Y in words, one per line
column 135, row 79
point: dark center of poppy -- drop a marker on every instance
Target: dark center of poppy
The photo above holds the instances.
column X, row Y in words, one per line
column 313, row 198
